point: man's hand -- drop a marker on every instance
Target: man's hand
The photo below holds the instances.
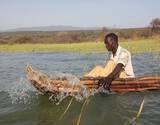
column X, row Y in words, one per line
column 105, row 82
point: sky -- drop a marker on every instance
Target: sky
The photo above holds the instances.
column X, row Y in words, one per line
column 79, row 13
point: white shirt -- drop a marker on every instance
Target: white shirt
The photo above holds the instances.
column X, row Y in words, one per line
column 123, row 56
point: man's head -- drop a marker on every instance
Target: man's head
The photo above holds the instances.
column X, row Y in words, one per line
column 111, row 41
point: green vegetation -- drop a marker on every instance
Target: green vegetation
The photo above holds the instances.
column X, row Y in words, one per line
column 76, row 36
column 137, row 40
column 135, row 46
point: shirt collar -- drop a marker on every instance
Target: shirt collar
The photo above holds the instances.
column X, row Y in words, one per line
column 117, row 52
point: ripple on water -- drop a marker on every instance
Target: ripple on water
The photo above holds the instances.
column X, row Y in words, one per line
column 16, row 92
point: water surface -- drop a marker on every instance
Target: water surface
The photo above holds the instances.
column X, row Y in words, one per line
column 21, row 104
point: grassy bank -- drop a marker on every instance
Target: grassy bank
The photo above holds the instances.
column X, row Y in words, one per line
column 135, row 46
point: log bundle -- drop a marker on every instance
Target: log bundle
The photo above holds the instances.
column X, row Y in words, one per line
column 46, row 84
column 127, row 85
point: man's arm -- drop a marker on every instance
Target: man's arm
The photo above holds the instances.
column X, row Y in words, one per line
column 122, row 61
column 106, row 81
column 114, row 74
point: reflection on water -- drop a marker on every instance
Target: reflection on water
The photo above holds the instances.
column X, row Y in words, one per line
column 21, row 104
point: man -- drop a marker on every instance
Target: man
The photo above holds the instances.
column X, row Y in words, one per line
column 119, row 65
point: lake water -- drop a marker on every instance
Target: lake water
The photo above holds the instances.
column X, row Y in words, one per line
column 21, row 104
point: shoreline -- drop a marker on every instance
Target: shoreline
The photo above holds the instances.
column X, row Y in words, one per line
column 134, row 46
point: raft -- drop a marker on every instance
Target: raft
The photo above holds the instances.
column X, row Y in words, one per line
column 45, row 84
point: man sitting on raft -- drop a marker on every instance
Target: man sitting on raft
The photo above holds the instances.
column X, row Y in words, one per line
column 118, row 66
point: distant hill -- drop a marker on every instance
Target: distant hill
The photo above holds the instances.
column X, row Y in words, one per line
column 53, row 28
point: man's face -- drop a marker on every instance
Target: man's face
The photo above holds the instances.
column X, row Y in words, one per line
column 109, row 43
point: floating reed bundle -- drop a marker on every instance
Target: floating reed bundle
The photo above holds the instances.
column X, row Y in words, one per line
column 45, row 84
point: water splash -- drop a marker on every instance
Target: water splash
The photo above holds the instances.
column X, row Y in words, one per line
column 22, row 92
column 72, row 80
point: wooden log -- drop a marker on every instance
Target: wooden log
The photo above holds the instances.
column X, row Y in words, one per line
column 123, row 83
column 47, row 85
column 135, row 89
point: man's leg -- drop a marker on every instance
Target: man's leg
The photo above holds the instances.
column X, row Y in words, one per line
column 123, row 75
column 100, row 71
column 96, row 72
column 109, row 68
